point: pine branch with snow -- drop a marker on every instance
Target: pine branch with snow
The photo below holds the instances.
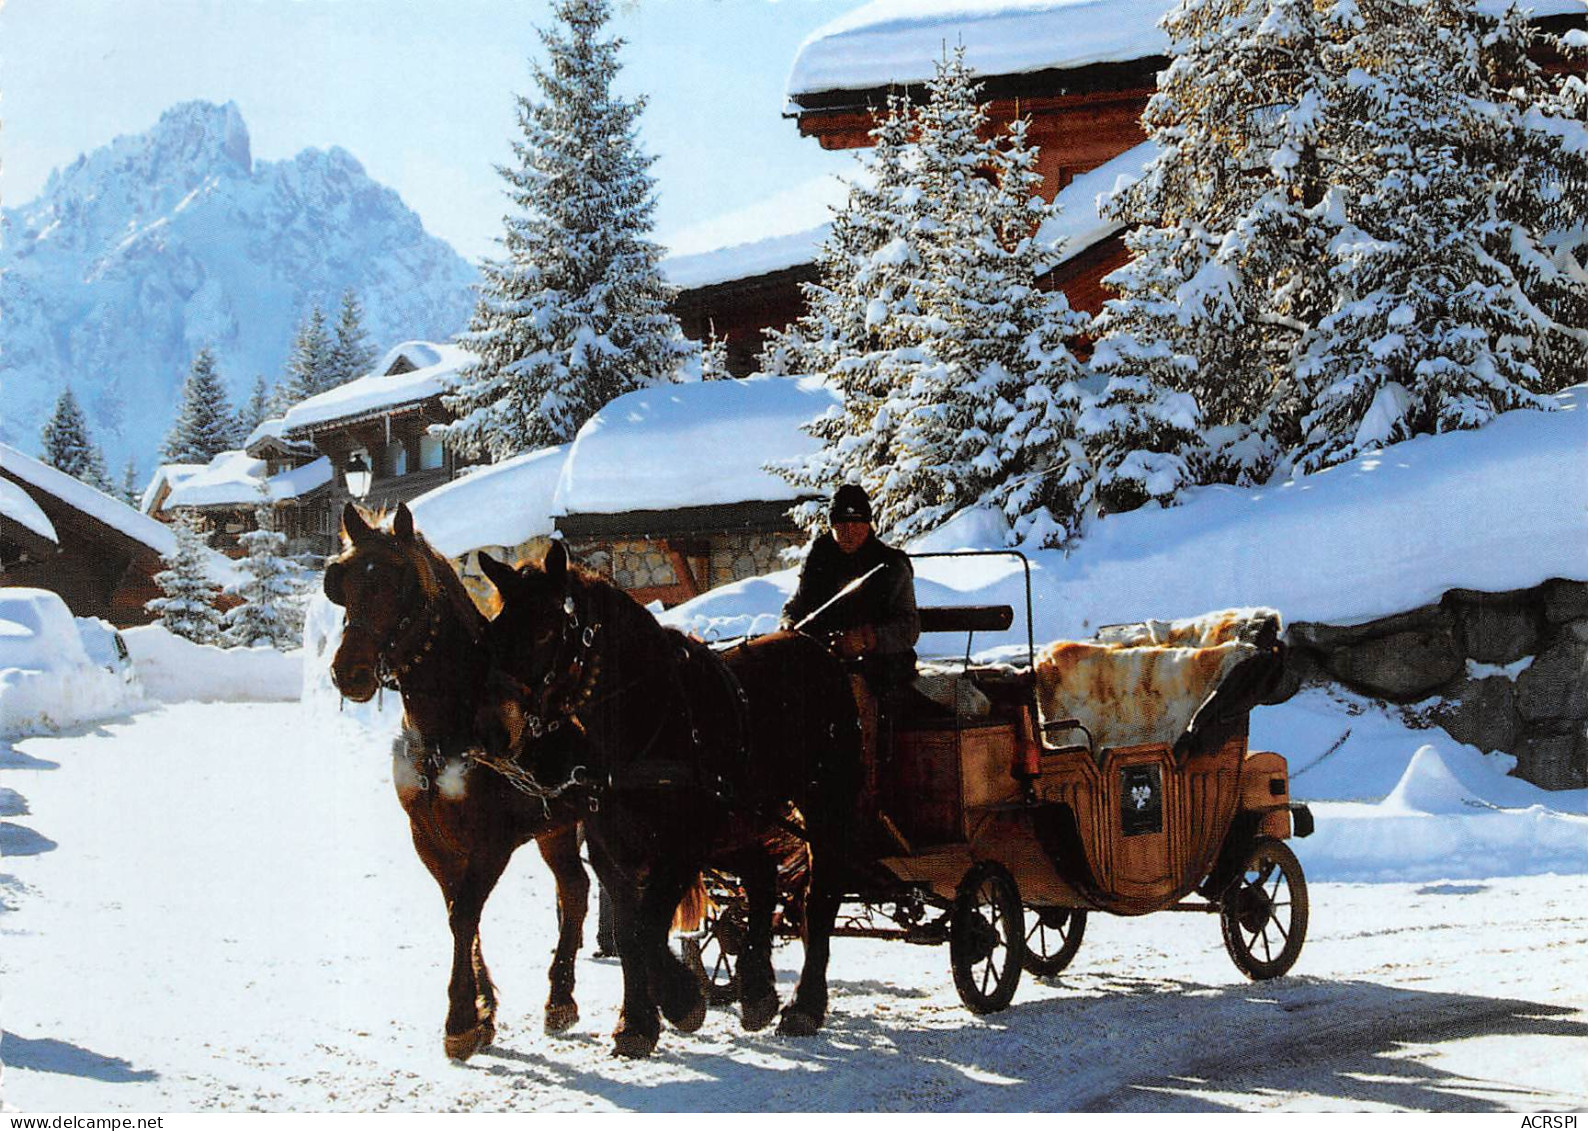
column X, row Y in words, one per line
column 574, row 313
column 349, row 354
column 270, row 614
column 188, row 605
column 256, row 410
column 69, row 447
column 309, row 365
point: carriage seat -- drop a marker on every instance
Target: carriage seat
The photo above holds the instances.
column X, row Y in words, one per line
column 949, row 685
column 1188, row 683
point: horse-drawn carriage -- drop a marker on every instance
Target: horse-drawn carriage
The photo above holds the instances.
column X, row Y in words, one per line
column 1103, row 776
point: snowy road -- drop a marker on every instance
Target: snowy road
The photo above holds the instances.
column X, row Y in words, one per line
column 217, row 907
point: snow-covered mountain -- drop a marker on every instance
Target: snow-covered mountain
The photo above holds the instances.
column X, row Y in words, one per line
column 148, row 248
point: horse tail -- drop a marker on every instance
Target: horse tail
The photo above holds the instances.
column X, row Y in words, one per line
column 693, row 906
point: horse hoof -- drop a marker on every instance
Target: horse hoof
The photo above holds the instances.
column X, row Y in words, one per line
column 632, row 1045
column 561, row 1018
column 461, row 1046
column 757, row 1015
column 693, row 1019
column 798, row 1023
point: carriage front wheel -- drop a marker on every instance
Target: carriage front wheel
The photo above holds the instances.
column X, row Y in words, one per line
column 712, row 953
column 1264, row 914
column 1053, row 935
column 987, row 938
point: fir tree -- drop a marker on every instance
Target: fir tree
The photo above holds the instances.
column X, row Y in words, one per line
column 130, row 492
column 204, row 426
column 350, row 355
column 256, row 410
column 269, row 614
column 69, row 447
column 988, row 414
column 575, row 312
column 714, row 358
column 188, row 607
column 309, row 364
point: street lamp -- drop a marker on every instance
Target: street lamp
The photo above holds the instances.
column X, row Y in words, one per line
column 358, row 476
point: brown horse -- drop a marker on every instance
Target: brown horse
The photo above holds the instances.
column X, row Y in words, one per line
column 409, row 618
column 694, row 759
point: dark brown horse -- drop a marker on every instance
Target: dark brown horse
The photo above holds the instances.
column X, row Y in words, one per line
column 409, row 618
column 694, row 759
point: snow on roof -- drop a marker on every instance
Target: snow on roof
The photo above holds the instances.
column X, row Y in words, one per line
column 166, row 475
column 782, row 231
column 897, row 42
column 18, row 506
column 233, row 478
column 698, row 444
column 504, row 504
column 381, row 390
column 112, row 512
column 1079, row 223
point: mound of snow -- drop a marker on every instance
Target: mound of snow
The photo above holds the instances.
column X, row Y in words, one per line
column 322, row 635
column 176, row 670
column 48, row 679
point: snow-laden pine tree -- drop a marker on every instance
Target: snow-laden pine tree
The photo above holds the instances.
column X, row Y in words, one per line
column 309, row 364
column 574, row 313
column 270, row 615
column 1431, row 329
column 350, row 354
column 1225, row 245
column 255, row 410
column 131, row 493
column 986, row 412
column 857, row 315
column 68, row 446
column 714, row 358
column 188, row 607
column 205, row 425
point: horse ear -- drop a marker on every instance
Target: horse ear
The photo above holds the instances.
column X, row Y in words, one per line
column 501, row 575
column 354, row 528
column 403, row 524
column 556, row 563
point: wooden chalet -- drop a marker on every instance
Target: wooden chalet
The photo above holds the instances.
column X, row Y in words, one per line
column 224, row 496
column 1080, row 71
column 98, row 553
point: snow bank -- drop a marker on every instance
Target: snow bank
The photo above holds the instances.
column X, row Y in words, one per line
column 696, row 444
column 504, row 504
column 175, row 670
column 322, row 633
column 48, row 679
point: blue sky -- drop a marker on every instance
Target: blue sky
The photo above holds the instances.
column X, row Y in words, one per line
column 420, row 91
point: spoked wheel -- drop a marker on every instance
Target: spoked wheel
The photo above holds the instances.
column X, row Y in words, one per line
column 1264, row 914
column 713, row 954
column 986, row 938
column 1053, row 935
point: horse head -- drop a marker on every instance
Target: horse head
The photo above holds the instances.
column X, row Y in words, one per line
column 395, row 590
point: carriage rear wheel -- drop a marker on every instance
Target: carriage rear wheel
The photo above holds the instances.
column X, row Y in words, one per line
column 986, row 938
column 713, row 953
column 1264, row 914
column 1053, row 935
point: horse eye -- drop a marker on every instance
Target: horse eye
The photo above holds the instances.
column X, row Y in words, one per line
column 369, row 567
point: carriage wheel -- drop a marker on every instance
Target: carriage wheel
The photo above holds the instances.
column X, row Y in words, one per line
column 1264, row 914
column 1053, row 935
column 713, row 954
column 986, row 938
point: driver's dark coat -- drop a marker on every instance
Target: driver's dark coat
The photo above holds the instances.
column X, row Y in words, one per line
column 886, row 602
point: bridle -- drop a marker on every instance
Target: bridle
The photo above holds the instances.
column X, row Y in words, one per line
column 414, row 635
column 569, row 683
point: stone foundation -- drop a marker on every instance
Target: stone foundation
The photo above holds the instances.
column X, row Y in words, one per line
column 1505, row 671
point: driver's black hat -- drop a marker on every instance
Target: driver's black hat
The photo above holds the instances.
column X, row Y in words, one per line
column 850, row 504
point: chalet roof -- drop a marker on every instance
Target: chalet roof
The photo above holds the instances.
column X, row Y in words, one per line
column 706, row 443
column 501, row 504
column 18, row 507
column 409, row 375
column 114, row 514
column 897, row 42
column 270, row 437
column 232, row 480
column 746, row 251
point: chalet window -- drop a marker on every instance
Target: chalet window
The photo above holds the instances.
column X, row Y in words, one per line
column 431, row 453
column 396, row 459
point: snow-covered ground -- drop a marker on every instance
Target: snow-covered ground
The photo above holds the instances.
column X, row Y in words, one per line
column 216, row 906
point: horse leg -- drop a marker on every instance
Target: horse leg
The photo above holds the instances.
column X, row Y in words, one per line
column 758, row 1000
column 471, row 1016
column 560, row 850
column 808, row 1011
column 674, row 987
column 638, row 1027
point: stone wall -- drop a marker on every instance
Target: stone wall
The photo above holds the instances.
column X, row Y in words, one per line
column 1501, row 671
